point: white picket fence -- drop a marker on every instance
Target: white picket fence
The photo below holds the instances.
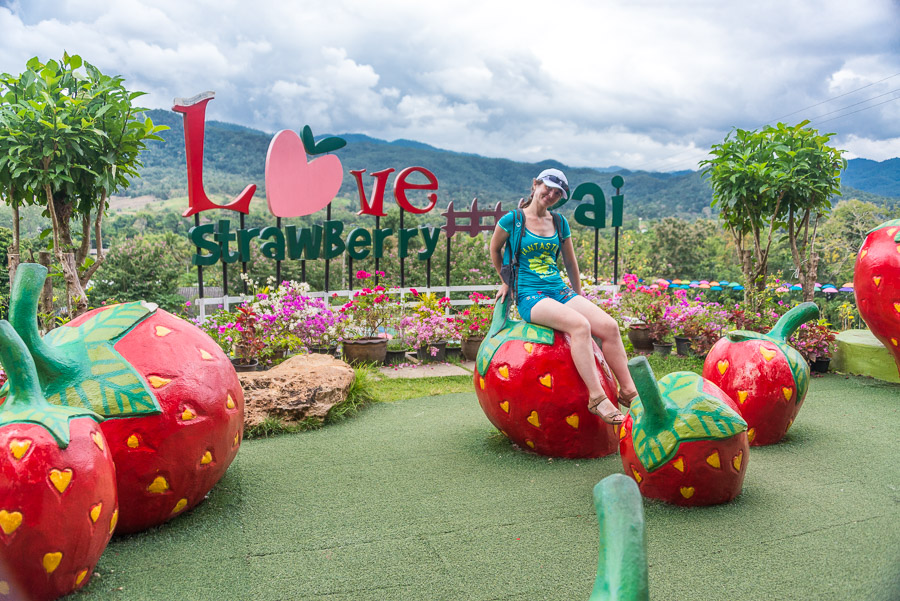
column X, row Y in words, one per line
column 225, row 302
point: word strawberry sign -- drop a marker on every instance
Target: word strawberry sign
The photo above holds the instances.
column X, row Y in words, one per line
column 765, row 375
column 876, row 284
column 173, row 403
column 528, row 387
column 684, row 441
column 58, row 504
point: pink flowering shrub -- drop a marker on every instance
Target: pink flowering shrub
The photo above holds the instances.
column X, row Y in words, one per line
column 475, row 321
column 369, row 312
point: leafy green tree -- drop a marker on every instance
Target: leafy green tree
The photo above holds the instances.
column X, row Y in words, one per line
column 842, row 235
column 146, row 268
column 778, row 180
column 69, row 138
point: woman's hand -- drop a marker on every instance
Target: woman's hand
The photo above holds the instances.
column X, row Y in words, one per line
column 502, row 292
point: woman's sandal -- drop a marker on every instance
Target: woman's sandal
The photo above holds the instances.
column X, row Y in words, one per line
column 625, row 401
column 616, row 418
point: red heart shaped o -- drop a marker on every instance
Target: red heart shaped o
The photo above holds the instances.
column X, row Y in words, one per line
column 294, row 187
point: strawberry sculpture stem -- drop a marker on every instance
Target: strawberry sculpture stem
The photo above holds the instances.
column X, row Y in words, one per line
column 25, row 403
column 23, row 310
column 785, row 327
column 656, row 413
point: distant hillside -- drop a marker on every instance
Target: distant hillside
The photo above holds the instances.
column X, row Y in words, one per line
column 234, row 156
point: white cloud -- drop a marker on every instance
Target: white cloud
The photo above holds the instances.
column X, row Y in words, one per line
column 637, row 83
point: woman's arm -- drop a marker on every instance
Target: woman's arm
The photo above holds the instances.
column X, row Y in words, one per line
column 498, row 240
column 571, row 263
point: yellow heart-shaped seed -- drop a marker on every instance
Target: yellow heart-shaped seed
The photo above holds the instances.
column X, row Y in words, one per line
column 159, row 485
column 546, row 380
column 637, row 475
column 80, row 577
column 207, row 458
column 158, row 382
column 503, row 370
column 187, row 415
column 237, row 438
column 205, row 355
column 891, row 231
column 790, row 423
column 229, row 402
column 678, row 464
column 133, row 442
column 113, row 520
column 687, row 492
column 713, row 460
column 863, row 253
column 533, row 419
column 95, row 512
column 722, row 366
column 877, row 280
column 529, row 443
column 505, row 406
column 788, row 393
column 19, row 446
column 897, row 307
column 894, row 341
column 736, row 462
column 481, row 382
column 51, row 561
column 742, row 396
column 10, row 520
column 98, row 439
column 179, row 505
column 61, row 479
column 572, row 420
column 767, row 353
column 161, row 331
column 622, row 432
column 529, row 348
column 751, row 434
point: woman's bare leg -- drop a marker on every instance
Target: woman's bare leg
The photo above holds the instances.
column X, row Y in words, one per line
column 606, row 329
column 554, row 314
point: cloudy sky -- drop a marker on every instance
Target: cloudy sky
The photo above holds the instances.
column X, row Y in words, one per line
column 635, row 83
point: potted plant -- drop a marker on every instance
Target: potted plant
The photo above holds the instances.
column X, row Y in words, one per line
column 318, row 326
column 816, row 342
column 474, row 324
column 396, row 351
column 427, row 330
column 368, row 313
column 247, row 343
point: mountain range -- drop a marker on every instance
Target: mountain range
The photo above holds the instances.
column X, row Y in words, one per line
column 234, row 156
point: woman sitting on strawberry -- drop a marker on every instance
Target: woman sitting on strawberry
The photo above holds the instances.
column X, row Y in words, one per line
column 542, row 296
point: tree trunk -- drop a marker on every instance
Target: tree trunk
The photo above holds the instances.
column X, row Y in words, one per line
column 12, row 259
column 46, row 304
column 77, row 297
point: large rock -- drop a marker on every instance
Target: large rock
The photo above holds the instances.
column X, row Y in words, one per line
column 303, row 387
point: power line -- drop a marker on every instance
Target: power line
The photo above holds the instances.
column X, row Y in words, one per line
column 855, row 104
column 835, row 98
column 858, row 111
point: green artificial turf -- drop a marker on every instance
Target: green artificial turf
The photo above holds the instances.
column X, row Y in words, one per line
column 422, row 499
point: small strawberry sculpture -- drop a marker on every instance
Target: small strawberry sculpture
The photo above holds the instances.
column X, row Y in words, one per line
column 684, row 441
column 528, row 387
column 765, row 375
column 173, row 403
column 876, row 283
column 58, row 505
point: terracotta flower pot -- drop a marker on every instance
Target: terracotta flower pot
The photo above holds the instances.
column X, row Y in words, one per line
column 639, row 335
column 470, row 347
column 365, row 350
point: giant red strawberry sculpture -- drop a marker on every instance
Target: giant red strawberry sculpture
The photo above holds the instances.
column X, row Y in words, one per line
column 174, row 405
column 684, row 441
column 58, row 504
column 876, row 283
column 765, row 375
column 528, row 387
